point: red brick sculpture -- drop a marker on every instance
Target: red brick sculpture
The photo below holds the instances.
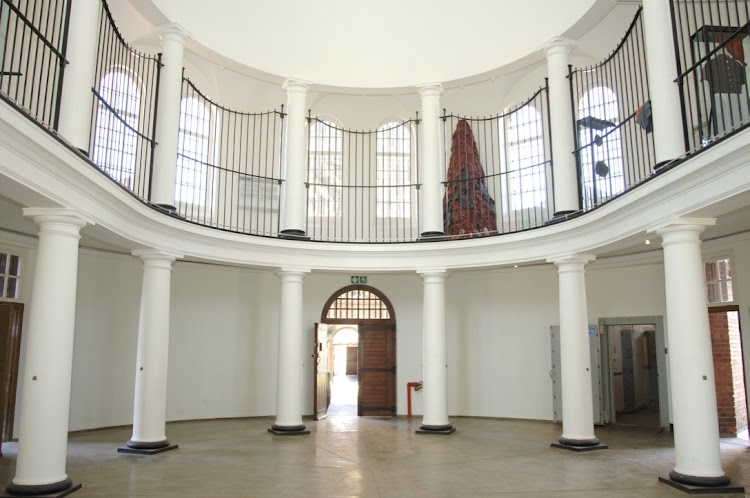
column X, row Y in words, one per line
column 468, row 209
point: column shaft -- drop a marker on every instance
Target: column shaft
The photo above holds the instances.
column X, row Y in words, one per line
column 669, row 141
column 430, row 159
column 150, row 402
column 295, row 164
column 45, row 397
column 289, row 390
column 694, row 412
column 76, row 100
column 168, row 119
column 435, row 353
column 575, row 359
column 561, row 123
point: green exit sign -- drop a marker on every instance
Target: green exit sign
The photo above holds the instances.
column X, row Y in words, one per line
column 358, row 279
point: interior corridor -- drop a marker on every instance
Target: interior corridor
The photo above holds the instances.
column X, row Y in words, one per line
column 377, row 457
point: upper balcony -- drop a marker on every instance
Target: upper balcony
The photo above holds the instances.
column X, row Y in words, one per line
column 498, row 148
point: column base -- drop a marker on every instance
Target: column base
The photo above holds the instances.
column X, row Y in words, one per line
column 293, row 234
column 562, row 216
column 579, row 444
column 167, row 209
column 147, row 447
column 442, row 430
column 431, row 237
column 288, row 430
column 711, row 489
column 55, row 489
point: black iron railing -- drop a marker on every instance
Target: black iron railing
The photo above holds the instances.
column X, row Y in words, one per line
column 614, row 144
column 228, row 172
column 33, row 36
column 713, row 41
column 498, row 170
column 124, row 112
column 363, row 186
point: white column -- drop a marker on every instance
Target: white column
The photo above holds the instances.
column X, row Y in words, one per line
column 561, row 124
column 45, row 397
column 150, row 402
column 691, row 367
column 666, row 110
column 435, row 354
column 295, row 163
column 289, row 389
column 76, row 100
column 430, row 159
column 575, row 359
column 168, row 119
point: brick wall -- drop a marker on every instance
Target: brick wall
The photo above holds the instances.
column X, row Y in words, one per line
column 730, row 390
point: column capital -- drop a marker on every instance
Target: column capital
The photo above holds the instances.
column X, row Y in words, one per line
column 433, row 275
column 156, row 255
column 62, row 216
column 571, row 259
column 293, row 85
column 172, row 32
column 682, row 225
column 293, row 273
column 558, row 45
column 430, row 90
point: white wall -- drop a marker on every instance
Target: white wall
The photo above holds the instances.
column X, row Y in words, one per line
column 224, row 325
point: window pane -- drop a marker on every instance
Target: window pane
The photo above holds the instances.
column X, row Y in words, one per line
column 12, row 288
column 14, row 262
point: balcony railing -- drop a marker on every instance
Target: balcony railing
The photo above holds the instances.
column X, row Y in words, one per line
column 228, row 165
column 124, row 111
column 33, row 35
column 713, row 43
column 614, row 144
column 363, row 186
column 498, row 170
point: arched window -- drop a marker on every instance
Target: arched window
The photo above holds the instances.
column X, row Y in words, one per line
column 325, row 169
column 393, row 164
column 527, row 181
column 600, row 146
column 115, row 135
column 193, row 152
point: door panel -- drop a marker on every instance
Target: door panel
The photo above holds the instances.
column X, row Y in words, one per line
column 322, row 392
column 628, row 377
column 377, row 370
column 351, row 360
column 596, row 384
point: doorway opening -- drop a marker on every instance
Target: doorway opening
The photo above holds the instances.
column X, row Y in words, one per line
column 344, row 381
column 11, row 318
column 729, row 371
column 633, row 363
column 355, row 350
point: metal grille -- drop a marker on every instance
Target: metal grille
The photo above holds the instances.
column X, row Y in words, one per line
column 362, row 186
column 228, row 165
column 498, row 170
column 614, row 145
column 33, row 35
column 124, row 111
column 713, row 41
column 358, row 304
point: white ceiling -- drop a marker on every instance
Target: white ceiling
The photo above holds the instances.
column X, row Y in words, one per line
column 383, row 44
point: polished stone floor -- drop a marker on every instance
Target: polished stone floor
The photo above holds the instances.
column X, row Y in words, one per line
column 378, row 457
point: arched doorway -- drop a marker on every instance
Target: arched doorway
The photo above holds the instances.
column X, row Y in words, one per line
column 370, row 313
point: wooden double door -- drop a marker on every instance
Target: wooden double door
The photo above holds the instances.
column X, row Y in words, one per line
column 376, row 370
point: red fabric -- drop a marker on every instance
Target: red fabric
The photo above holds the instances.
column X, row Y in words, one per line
column 467, row 205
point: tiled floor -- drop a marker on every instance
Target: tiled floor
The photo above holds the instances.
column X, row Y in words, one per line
column 350, row 456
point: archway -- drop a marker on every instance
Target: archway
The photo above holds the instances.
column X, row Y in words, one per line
column 370, row 313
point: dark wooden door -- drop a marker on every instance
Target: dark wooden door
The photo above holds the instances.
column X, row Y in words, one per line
column 351, row 360
column 11, row 317
column 322, row 392
column 377, row 370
